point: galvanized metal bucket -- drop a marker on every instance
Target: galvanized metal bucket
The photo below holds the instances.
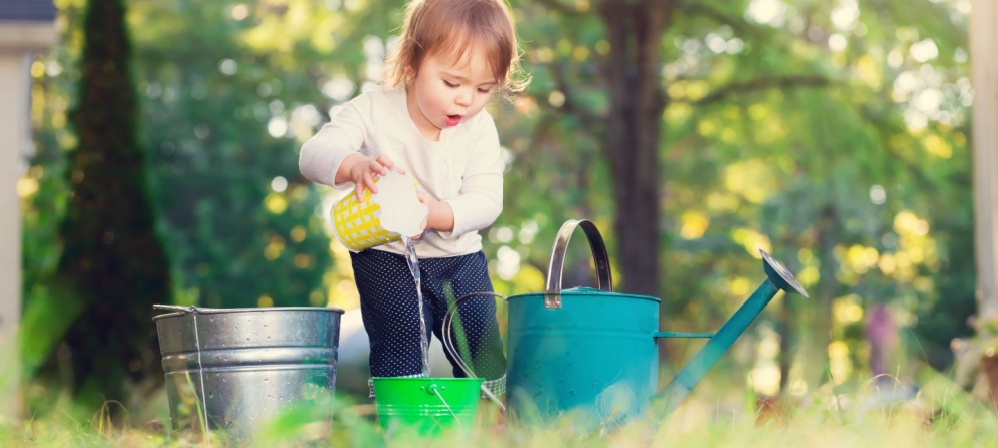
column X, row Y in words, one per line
column 235, row 369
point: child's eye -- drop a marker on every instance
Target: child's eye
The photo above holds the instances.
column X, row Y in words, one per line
column 449, row 84
column 485, row 90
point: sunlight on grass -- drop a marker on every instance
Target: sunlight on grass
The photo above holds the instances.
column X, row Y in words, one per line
column 939, row 415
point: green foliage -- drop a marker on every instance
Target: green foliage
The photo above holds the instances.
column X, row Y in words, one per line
column 112, row 267
column 836, row 143
column 818, row 140
column 243, row 229
column 943, row 417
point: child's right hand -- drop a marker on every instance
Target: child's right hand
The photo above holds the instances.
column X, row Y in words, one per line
column 362, row 170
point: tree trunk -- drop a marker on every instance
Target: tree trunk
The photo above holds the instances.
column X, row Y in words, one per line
column 786, row 346
column 816, row 369
column 113, row 267
column 632, row 71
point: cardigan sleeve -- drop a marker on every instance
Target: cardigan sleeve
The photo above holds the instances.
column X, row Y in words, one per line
column 479, row 202
column 322, row 154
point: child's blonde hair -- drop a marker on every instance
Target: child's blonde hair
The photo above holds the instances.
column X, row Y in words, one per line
column 454, row 27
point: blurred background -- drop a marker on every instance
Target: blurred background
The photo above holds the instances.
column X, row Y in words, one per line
column 833, row 134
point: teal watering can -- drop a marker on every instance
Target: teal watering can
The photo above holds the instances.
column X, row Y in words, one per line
column 593, row 352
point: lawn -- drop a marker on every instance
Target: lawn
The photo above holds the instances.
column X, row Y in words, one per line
column 938, row 415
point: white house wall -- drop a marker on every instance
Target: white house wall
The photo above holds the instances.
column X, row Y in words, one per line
column 984, row 77
column 18, row 44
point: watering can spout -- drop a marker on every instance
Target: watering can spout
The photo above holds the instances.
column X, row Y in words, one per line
column 778, row 278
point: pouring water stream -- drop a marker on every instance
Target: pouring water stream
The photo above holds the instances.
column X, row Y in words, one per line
column 424, row 342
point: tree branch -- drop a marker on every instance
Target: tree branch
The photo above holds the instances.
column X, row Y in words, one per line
column 560, row 7
column 763, row 83
column 571, row 106
column 591, row 121
column 698, row 8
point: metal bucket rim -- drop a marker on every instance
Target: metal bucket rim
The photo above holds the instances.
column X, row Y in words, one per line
column 197, row 310
column 590, row 292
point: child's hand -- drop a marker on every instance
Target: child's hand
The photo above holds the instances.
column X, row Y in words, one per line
column 363, row 170
column 439, row 215
column 422, row 228
column 426, row 199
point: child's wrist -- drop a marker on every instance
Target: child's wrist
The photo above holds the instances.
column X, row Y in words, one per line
column 431, row 216
column 345, row 171
column 439, row 217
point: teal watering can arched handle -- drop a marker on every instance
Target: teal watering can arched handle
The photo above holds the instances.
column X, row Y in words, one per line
column 552, row 295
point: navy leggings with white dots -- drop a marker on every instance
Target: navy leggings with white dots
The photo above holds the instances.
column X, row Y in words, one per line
column 389, row 308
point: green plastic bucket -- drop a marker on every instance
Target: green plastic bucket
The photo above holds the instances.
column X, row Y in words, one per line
column 428, row 406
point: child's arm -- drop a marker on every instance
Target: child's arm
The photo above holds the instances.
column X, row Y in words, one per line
column 480, row 200
column 439, row 216
column 333, row 155
column 322, row 155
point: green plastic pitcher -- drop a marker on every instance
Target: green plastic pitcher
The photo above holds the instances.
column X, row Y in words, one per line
column 427, row 406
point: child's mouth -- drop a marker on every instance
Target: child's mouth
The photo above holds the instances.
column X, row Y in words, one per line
column 453, row 120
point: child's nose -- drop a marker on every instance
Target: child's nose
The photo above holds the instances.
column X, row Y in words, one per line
column 463, row 98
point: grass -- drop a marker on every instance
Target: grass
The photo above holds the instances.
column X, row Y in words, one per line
column 940, row 415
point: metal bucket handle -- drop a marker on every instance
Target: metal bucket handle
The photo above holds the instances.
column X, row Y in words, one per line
column 433, row 389
column 177, row 310
column 552, row 296
column 193, row 311
column 448, row 342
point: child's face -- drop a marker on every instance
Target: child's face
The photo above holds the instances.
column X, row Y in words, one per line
column 448, row 89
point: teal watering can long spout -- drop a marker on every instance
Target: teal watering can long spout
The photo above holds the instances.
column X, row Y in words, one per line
column 592, row 353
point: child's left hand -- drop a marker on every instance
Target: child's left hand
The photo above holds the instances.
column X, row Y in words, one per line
column 439, row 215
column 430, row 202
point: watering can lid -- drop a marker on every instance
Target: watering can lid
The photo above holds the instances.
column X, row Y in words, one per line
column 587, row 291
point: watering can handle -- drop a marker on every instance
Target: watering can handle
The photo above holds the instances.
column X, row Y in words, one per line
column 552, row 296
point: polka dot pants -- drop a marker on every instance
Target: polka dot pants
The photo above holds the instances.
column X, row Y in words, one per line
column 389, row 308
